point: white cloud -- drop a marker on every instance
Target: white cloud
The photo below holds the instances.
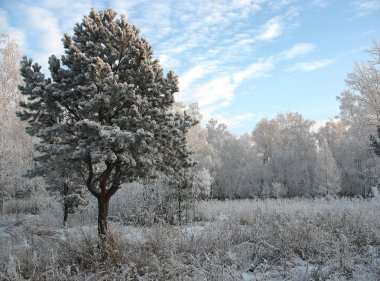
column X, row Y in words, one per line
column 193, row 75
column 271, row 30
column 298, row 50
column 14, row 33
column 254, row 70
column 67, row 12
column 155, row 24
column 234, row 121
column 247, row 41
column 364, row 7
column 46, row 30
column 211, row 96
column 247, row 5
column 181, row 47
column 321, row 3
column 125, row 8
column 168, row 62
column 46, row 34
column 206, row 44
column 310, row 66
column 202, row 28
column 279, row 4
column 218, row 92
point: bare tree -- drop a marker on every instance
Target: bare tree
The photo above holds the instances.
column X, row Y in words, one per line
column 360, row 104
column 15, row 144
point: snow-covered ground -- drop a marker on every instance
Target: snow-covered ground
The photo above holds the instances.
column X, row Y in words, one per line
column 298, row 239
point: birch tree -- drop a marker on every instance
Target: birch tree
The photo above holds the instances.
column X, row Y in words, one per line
column 15, row 144
column 360, row 103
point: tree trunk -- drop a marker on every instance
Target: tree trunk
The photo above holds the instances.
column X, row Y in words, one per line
column 103, row 203
column 179, row 209
column 65, row 212
column 65, row 202
column 1, row 202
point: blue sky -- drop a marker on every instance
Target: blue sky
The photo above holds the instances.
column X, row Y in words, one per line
column 241, row 60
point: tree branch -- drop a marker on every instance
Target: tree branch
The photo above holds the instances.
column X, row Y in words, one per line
column 116, row 181
column 105, row 177
column 90, row 178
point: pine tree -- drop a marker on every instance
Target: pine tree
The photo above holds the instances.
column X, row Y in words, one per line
column 105, row 108
column 178, row 161
column 63, row 180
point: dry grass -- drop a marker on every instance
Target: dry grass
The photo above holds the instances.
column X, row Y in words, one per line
column 264, row 240
column 22, row 206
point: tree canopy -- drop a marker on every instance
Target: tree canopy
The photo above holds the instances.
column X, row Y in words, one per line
column 105, row 108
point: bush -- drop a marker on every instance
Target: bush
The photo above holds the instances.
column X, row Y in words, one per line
column 145, row 204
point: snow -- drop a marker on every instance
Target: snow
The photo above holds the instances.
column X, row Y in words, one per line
column 193, row 230
column 375, row 191
column 238, row 238
column 268, row 276
column 4, row 233
column 61, row 234
column 135, row 235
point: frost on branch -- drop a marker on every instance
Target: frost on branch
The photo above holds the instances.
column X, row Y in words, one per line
column 103, row 116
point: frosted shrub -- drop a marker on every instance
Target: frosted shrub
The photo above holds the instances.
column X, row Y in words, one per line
column 144, row 204
column 32, row 205
column 278, row 190
column 327, row 232
column 298, row 239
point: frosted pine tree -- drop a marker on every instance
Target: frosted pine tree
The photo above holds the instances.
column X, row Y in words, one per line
column 178, row 161
column 105, row 108
column 63, row 178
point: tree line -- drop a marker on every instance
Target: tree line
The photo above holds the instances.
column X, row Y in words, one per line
column 287, row 156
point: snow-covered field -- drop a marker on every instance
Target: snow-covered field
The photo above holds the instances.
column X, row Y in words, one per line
column 297, row 239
